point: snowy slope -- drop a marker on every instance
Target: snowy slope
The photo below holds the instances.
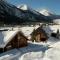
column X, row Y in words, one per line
column 10, row 13
column 23, row 7
column 33, row 14
column 55, row 18
column 46, row 12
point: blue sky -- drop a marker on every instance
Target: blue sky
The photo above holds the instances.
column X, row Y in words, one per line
column 52, row 5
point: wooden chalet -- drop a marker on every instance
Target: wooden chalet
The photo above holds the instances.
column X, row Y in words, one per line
column 12, row 39
column 39, row 35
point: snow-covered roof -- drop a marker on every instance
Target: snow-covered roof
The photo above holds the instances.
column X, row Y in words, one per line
column 28, row 30
column 5, row 37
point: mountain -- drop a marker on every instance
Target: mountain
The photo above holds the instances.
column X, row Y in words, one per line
column 54, row 17
column 49, row 14
column 33, row 14
column 10, row 14
column 46, row 12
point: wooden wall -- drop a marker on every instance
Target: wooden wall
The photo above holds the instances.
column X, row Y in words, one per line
column 16, row 42
column 39, row 37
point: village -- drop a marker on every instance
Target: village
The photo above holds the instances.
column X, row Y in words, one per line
column 28, row 38
column 29, row 30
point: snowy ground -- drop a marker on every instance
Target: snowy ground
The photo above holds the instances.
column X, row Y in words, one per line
column 31, row 52
column 53, row 53
column 35, row 51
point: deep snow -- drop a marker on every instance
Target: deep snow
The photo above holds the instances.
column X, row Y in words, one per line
column 36, row 51
column 31, row 52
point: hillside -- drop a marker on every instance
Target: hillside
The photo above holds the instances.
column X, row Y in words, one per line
column 10, row 14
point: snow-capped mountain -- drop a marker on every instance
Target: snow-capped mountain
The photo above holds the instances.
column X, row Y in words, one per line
column 33, row 14
column 55, row 18
column 50, row 14
column 23, row 7
column 11, row 14
column 46, row 12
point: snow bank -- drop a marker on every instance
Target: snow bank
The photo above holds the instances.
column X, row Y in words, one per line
column 32, row 56
column 53, row 53
column 56, row 45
